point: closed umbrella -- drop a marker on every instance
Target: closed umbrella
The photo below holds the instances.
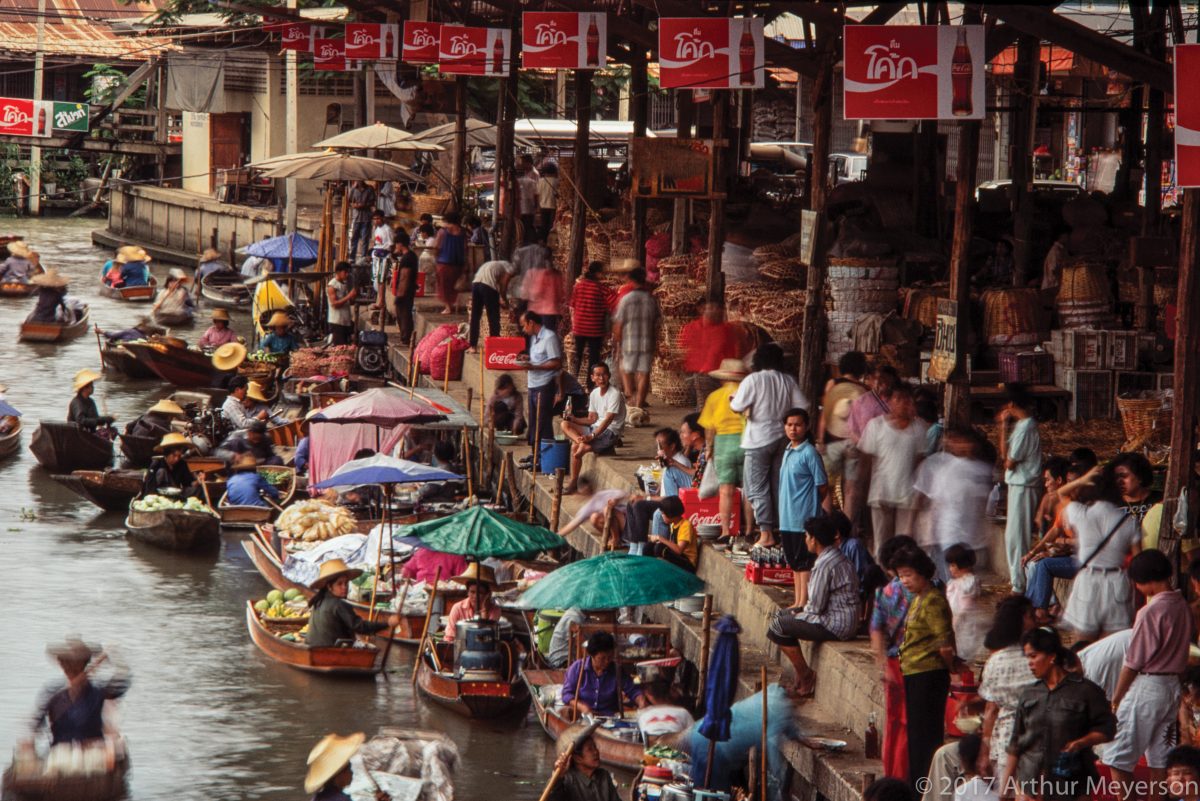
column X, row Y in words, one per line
column 481, row 533
column 379, row 137
column 381, row 406
column 382, row 469
column 331, row 166
column 610, row 581
column 720, row 691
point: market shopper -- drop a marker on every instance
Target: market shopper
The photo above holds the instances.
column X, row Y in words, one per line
column 489, row 293
column 547, row 199
column 635, row 325
column 600, row 429
column 833, row 439
column 329, row 771
column 219, row 333
column 450, row 248
column 281, row 340
column 362, row 205
column 82, row 411
column 1021, row 453
column 679, row 545
column 246, row 486
column 695, row 448
column 527, row 198
column 402, row 284
column 252, row 442
column 481, row 584
column 706, row 342
column 955, row 483
column 591, row 304
column 1005, row 677
column 545, row 363
column 237, row 406
column 18, row 267
column 886, row 628
column 175, row 302
column 333, row 622
column 1053, row 556
column 583, row 778
column 802, row 487
column 340, row 296
column 156, row 422
column 763, row 397
column 723, row 427
column 1134, row 479
column 891, row 449
column 544, row 293
column 592, row 684
column 52, row 304
column 382, row 240
column 505, row 410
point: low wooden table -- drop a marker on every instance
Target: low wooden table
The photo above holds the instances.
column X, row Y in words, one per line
column 986, row 401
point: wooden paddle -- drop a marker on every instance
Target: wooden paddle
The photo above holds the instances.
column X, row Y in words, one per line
column 204, row 489
column 265, row 497
column 565, row 764
column 437, row 576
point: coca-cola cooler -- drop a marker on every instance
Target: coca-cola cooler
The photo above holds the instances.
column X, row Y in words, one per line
column 500, row 353
column 708, row 510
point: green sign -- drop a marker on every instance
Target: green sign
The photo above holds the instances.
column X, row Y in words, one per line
column 70, row 116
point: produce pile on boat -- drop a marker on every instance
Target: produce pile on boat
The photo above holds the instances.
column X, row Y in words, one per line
column 281, row 605
column 313, row 521
column 161, row 503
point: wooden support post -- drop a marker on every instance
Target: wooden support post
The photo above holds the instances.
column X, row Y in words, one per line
column 639, row 89
column 344, row 241
column 458, row 170
column 958, row 390
column 556, row 500
column 714, row 281
column 583, row 115
column 705, row 640
column 1027, row 71
column 685, row 116
column 508, row 183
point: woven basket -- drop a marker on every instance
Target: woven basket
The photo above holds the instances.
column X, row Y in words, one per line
column 922, row 304
column 597, row 248
column 1010, row 316
column 429, row 204
column 675, row 265
column 791, row 270
column 671, row 386
column 620, row 249
column 1083, row 282
column 1142, row 417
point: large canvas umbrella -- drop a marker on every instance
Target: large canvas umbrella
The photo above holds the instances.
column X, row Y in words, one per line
column 482, row 533
column 378, row 137
column 381, row 406
column 479, row 134
column 331, row 166
column 720, row 691
column 299, row 248
column 382, row 469
column 609, row 581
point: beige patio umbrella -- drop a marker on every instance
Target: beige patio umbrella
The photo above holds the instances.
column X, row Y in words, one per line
column 379, row 137
column 479, row 134
column 329, row 166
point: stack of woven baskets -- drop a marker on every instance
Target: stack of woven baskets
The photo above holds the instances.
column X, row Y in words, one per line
column 1011, row 317
column 679, row 300
column 855, row 287
column 1084, row 298
column 775, row 307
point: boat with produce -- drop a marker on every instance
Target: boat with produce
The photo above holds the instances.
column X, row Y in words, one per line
column 10, row 443
column 111, row 490
column 16, row 289
column 65, row 447
column 614, row 750
column 282, row 478
column 477, row 677
column 143, row 293
column 39, row 784
column 225, row 289
column 177, row 526
column 282, row 639
column 173, row 361
column 54, row 332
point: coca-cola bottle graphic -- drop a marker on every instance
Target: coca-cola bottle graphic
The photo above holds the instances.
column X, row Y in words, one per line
column 746, row 55
column 41, row 129
column 498, row 57
column 962, row 76
column 389, row 41
column 593, row 42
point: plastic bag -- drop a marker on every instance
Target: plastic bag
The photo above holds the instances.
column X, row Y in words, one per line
column 709, row 486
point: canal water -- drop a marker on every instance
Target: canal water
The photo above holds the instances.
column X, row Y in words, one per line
column 208, row 715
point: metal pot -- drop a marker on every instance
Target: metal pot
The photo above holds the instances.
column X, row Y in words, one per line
column 692, row 603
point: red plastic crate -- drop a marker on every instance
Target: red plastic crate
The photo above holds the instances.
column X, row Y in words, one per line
column 758, row 574
column 1029, row 367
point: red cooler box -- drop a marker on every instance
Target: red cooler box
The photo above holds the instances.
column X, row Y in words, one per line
column 709, row 509
column 500, row 353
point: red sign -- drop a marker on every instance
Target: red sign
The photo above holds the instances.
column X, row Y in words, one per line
column 297, row 36
column 421, row 42
column 329, row 55
column 371, row 40
column 19, row 117
column 474, row 51
column 1187, row 119
column 500, row 353
column 717, row 53
column 709, row 510
column 563, row 40
column 916, row 72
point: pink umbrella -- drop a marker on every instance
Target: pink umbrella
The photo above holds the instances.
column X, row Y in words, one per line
column 381, row 407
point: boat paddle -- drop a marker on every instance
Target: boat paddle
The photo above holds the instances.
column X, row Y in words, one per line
column 270, row 502
column 565, row 760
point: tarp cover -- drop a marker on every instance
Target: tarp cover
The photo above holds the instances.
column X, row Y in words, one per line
column 196, row 82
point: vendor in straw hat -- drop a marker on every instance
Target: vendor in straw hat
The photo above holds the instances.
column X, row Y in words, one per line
column 52, row 304
column 582, row 778
column 481, row 583
column 82, row 411
column 253, row 441
column 175, row 300
column 219, row 333
column 135, row 265
column 333, row 620
column 300, row 459
column 75, row 712
column 225, row 361
column 19, row 264
column 281, row 339
column 210, row 263
column 246, row 486
column 156, row 422
column 724, row 443
column 169, row 470
column 329, row 769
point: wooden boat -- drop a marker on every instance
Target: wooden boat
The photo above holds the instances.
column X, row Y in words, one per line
column 286, row 435
column 16, row 289
column 266, row 634
column 10, row 442
column 175, row 529
column 117, row 358
column 174, row 319
column 65, row 447
column 111, row 490
column 54, row 332
column 613, row 750
column 182, row 366
column 226, row 290
column 138, row 451
column 131, row 294
column 234, row 516
column 472, row 696
column 105, row 787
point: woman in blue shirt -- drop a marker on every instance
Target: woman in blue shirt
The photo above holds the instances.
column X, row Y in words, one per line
column 802, row 488
column 280, row 340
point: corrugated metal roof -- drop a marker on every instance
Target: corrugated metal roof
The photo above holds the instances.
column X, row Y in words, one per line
column 79, row 28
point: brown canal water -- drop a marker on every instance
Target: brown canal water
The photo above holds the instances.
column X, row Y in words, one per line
column 208, row 715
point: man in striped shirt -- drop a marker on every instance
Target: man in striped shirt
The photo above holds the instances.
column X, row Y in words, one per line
column 832, row 609
column 591, row 303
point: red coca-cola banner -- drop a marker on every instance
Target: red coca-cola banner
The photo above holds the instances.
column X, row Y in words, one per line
column 916, row 72
column 715, row 53
column 421, row 42
column 464, row 50
column 19, row 117
column 563, row 40
column 329, row 55
column 371, row 40
column 500, row 353
column 1187, row 117
column 297, row 36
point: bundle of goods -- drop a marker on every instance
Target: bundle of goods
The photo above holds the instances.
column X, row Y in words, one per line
column 680, row 304
column 160, row 503
column 254, row 369
column 921, row 303
column 430, row 204
column 1057, row 438
column 285, row 604
column 620, row 239
column 855, row 287
column 683, row 265
column 441, row 348
column 1084, row 299
column 777, row 308
column 312, row 521
column 1011, row 317
column 790, row 270
column 671, row 384
column 787, row 249
column 335, row 360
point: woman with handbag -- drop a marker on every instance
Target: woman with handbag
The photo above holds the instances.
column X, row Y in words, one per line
column 1059, row 720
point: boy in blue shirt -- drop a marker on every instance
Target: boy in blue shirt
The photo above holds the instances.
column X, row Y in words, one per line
column 802, row 488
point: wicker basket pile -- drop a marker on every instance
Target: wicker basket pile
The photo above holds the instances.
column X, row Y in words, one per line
column 855, row 287
column 1084, row 297
column 1011, row 317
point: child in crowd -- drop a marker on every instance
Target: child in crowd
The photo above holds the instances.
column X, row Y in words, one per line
column 963, row 593
column 505, row 410
column 1189, row 708
column 973, row 787
column 1183, row 773
column 680, row 547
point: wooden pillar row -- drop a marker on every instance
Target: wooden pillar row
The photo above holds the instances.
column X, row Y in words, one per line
column 639, row 88
column 583, row 114
column 958, row 390
column 458, row 169
column 1021, row 164
column 714, row 282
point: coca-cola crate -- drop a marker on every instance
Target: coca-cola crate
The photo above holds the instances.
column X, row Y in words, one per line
column 1122, row 349
column 760, row 574
column 1028, row 367
column 708, row 510
column 1079, row 348
column 1092, row 392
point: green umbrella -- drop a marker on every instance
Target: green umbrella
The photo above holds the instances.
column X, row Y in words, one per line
column 609, row 581
column 481, row 533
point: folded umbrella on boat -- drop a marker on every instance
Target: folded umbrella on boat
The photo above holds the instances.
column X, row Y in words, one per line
column 610, row 581
column 382, row 469
column 482, row 533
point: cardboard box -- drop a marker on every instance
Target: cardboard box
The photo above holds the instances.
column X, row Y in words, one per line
column 709, row 509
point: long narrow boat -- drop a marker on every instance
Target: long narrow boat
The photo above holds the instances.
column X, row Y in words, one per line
column 286, row 435
column 472, row 694
column 103, row 787
column 117, row 358
column 132, row 294
column 341, row 661
column 54, row 332
column 226, row 290
column 174, row 319
column 65, row 447
column 181, row 366
column 16, row 289
column 613, row 750
column 175, row 529
column 111, row 490
column 235, row 516
column 11, row 442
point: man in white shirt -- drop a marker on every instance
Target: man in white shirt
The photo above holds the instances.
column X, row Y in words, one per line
column 891, row 446
column 560, row 641
column 527, row 199
column 489, row 292
column 601, row 428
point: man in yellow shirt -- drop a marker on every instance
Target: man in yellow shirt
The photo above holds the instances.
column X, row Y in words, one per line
column 725, row 446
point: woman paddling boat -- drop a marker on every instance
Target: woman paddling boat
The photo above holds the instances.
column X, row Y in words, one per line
column 333, row 620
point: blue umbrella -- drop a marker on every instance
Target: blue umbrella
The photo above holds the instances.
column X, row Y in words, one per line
column 720, row 690
column 381, row 469
column 299, row 248
column 8, row 410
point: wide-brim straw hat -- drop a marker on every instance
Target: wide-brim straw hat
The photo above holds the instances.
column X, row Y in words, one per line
column 19, row 249
column 229, row 356
column 176, row 274
column 50, row 278
column 174, row 440
column 277, row 319
column 624, row 266
column 83, row 378
column 574, row 736
column 220, row 314
column 210, row 254
column 478, row 574
column 330, row 570
column 128, row 253
column 166, row 406
column 329, row 757
column 254, row 391
column 72, row 649
column 730, row 370
column 246, row 461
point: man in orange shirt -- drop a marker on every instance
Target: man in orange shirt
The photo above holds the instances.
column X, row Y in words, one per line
column 706, row 342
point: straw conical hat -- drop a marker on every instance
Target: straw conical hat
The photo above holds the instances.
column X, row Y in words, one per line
column 51, row 278
column 277, row 319
column 254, row 391
column 330, row 756
column 229, row 356
column 174, row 440
column 331, row 570
column 166, row 406
column 220, row 314
column 19, row 249
column 128, row 253
column 83, row 378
